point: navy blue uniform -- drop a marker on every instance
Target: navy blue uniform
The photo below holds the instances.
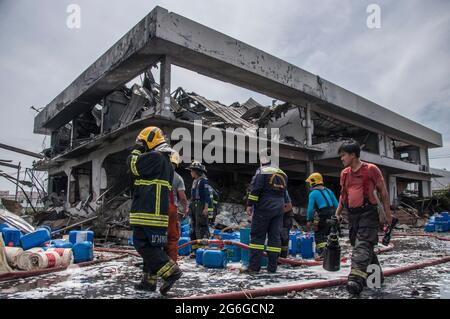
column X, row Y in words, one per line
column 199, row 197
column 268, row 195
column 153, row 175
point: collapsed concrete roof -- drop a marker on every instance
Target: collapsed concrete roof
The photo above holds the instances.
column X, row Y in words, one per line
column 198, row 48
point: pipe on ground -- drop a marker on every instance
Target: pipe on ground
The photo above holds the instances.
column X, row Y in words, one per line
column 286, row 261
column 282, row 290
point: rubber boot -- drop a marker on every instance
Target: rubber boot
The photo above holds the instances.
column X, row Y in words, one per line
column 170, row 276
column 355, row 285
column 148, row 283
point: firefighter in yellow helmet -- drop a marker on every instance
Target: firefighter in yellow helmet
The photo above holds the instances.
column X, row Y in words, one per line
column 152, row 172
column 322, row 204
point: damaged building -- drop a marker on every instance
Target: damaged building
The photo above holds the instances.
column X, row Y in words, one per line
column 93, row 123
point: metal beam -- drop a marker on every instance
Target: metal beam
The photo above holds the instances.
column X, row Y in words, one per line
column 21, row 151
column 9, row 165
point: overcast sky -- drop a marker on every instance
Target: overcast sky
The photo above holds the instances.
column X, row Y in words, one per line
column 404, row 65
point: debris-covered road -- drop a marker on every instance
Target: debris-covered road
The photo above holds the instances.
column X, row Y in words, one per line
column 115, row 279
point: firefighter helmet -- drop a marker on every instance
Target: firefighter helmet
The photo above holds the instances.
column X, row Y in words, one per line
column 152, row 136
column 315, row 179
column 197, row 166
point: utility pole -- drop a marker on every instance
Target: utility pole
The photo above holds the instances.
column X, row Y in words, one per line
column 17, row 184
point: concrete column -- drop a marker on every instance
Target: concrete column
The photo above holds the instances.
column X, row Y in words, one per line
column 309, row 167
column 309, row 125
column 309, row 163
column 425, row 189
column 165, row 78
column 97, row 165
column 392, row 188
column 68, row 172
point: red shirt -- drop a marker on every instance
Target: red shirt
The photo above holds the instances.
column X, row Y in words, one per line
column 354, row 185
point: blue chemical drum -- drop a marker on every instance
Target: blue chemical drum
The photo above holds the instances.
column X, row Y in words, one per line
column 430, row 227
column 199, row 256
column 35, row 239
column 233, row 253
column 293, row 244
column 83, row 251
column 11, row 236
column 59, row 243
column 214, row 259
column 76, row 236
column 185, row 251
column 307, row 250
column 245, row 239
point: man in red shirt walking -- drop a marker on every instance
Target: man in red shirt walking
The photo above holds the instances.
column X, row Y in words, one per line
column 359, row 183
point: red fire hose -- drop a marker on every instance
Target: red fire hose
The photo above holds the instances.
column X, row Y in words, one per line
column 282, row 290
column 423, row 235
column 287, row 261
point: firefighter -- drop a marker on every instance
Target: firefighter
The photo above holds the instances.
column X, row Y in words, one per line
column 152, row 173
column 322, row 206
column 177, row 204
column 265, row 204
column 288, row 222
column 359, row 183
column 201, row 205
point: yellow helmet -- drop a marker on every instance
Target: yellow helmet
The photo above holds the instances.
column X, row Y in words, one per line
column 315, row 179
column 152, row 136
column 175, row 158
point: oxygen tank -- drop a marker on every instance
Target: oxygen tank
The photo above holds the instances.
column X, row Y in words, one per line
column 332, row 253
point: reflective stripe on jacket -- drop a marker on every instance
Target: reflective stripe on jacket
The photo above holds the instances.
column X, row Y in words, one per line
column 153, row 175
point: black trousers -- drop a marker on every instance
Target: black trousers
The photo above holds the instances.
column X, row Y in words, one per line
column 288, row 221
column 199, row 222
column 363, row 233
column 265, row 223
column 149, row 243
column 323, row 229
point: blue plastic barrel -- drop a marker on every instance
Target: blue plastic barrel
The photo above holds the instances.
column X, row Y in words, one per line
column 293, row 244
column 199, row 256
column 59, row 243
column 3, row 225
column 185, row 228
column 245, row 239
column 77, row 236
column 217, row 234
column 186, row 234
column 83, row 251
column 185, row 251
column 439, row 223
column 299, row 241
column 35, row 239
column 445, row 216
column 307, row 250
column 11, row 236
column 430, row 227
column 214, row 259
column 228, row 236
column 233, row 253
column 446, row 226
column 45, row 227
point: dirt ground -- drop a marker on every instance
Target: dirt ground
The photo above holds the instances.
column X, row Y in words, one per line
column 115, row 279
